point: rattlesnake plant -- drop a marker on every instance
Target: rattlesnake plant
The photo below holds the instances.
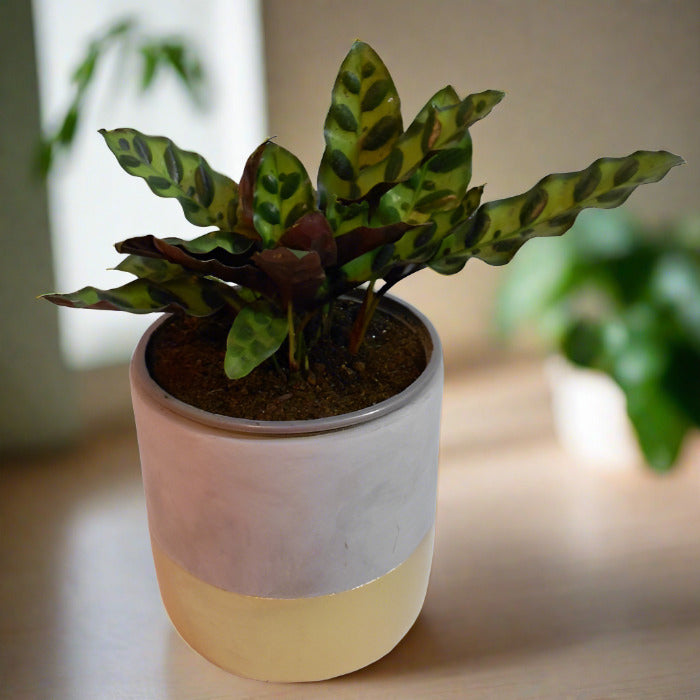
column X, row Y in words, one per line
column 389, row 201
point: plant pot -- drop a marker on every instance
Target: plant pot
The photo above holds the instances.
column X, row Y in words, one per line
column 590, row 416
column 297, row 550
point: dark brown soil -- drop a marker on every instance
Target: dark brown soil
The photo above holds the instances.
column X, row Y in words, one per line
column 186, row 358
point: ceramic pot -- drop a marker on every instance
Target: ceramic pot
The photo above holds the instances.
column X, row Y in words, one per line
column 293, row 550
column 590, row 416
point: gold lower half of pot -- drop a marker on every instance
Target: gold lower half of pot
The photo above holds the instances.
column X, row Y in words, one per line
column 300, row 639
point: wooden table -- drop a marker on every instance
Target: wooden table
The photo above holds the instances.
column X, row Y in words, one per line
column 550, row 580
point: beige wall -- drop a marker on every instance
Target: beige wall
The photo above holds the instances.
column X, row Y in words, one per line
column 583, row 79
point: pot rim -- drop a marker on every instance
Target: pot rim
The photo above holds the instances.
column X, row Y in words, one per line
column 398, row 308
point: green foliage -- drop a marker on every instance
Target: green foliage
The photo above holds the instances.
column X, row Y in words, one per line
column 363, row 122
column 155, row 55
column 282, row 195
column 623, row 299
column 256, row 334
column 389, row 203
column 207, row 198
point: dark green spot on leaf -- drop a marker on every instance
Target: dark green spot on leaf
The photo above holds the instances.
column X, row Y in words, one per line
column 270, row 183
column 188, row 205
column 129, row 162
column 158, row 183
column 424, row 237
column 615, row 197
column 375, row 94
column 447, row 160
column 351, row 82
column 231, row 213
column 507, row 245
column 341, row 165
column 142, row 149
column 203, row 185
column 393, row 165
column 172, row 163
column 478, row 229
column 533, row 207
column 383, row 257
column 344, row 117
column 269, row 212
column 381, row 132
column 290, row 185
column 297, row 211
column 625, row 171
column 439, row 199
column 563, row 221
column 587, row 184
column 465, row 112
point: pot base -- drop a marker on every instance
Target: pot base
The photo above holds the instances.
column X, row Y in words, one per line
column 302, row 639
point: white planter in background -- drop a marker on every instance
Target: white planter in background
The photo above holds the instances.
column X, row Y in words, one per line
column 292, row 551
column 590, row 416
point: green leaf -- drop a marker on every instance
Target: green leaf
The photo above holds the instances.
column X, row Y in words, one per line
column 282, row 194
column 535, row 282
column 439, row 185
column 659, row 424
column 227, row 241
column 630, row 349
column 212, row 264
column 153, row 269
column 682, row 381
column 257, row 333
column 86, row 69
column 195, row 296
column 441, row 123
column 207, row 197
column 499, row 229
column 415, row 246
column 363, row 122
column 675, row 285
column 365, row 239
column 346, row 217
column 66, row 133
column 150, row 58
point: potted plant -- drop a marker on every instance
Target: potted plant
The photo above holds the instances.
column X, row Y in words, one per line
column 619, row 304
column 293, row 537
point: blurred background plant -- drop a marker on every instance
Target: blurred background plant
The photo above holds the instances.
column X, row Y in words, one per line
column 155, row 54
column 623, row 298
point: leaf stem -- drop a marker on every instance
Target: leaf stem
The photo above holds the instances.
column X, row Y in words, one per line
column 364, row 318
column 293, row 364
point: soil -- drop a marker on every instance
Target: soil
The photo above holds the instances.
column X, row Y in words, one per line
column 186, row 358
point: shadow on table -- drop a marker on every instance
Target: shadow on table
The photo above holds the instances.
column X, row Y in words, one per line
column 602, row 560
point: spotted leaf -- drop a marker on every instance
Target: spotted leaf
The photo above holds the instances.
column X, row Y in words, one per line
column 184, row 293
column 364, row 239
column 436, row 186
column 216, row 263
column 216, row 241
column 498, row 229
column 363, row 122
column 257, row 333
column 282, row 194
column 440, row 124
column 153, row 269
column 207, row 197
column 346, row 217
